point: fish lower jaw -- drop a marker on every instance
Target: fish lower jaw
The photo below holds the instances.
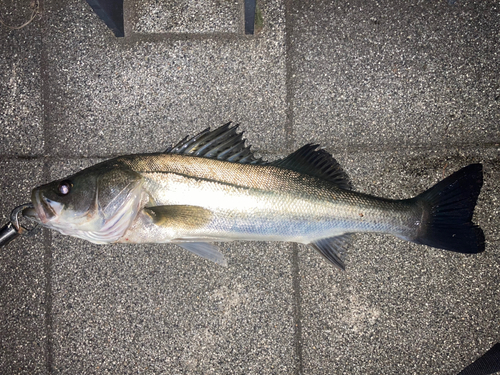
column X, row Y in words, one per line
column 45, row 209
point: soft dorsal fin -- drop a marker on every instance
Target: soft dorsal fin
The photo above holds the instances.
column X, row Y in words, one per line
column 223, row 143
column 316, row 163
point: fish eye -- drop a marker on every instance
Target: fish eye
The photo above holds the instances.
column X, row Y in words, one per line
column 64, row 187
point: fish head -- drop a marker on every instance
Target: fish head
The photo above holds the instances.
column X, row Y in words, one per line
column 97, row 204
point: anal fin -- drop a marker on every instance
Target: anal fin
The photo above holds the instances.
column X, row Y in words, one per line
column 205, row 250
column 332, row 248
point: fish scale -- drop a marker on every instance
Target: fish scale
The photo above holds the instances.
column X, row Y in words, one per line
column 264, row 202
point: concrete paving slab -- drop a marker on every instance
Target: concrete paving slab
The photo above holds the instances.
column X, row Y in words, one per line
column 105, row 92
column 20, row 82
column 402, row 308
column 399, row 77
column 158, row 309
column 23, row 334
column 187, row 16
column 393, row 74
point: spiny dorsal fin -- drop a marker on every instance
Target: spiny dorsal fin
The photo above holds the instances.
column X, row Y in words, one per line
column 316, row 163
column 223, row 143
column 333, row 248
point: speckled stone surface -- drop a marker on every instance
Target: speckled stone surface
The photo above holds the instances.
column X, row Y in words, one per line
column 401, row 307
column 23, row 281
column 20, row 81
column 396, row 74
column 402, row 94
column 154, row 91
column 160, row 309
column 187, row 16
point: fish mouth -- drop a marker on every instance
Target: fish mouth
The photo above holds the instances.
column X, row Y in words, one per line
column 42, row 210
column 31, row 214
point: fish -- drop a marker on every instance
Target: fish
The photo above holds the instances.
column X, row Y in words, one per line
column 212, row 188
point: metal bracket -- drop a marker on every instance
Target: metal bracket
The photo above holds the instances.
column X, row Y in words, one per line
column 13, row 229
column 249, row 16
column 111, row 12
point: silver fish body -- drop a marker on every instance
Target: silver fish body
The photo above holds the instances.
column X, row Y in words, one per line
column 211, row 188
column 255, row 202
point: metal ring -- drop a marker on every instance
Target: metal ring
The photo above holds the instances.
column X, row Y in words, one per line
column 13, row 215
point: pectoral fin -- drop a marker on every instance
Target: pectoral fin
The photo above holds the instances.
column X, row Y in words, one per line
column 204, row 250
column 187, row 217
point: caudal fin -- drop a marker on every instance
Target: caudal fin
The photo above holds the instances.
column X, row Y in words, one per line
column 449, row 206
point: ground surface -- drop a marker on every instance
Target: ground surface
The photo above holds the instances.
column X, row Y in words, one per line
column 401, row 93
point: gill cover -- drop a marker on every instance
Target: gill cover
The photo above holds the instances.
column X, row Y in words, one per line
column 97, row 204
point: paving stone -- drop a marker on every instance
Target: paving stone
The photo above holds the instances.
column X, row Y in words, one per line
column 403, row 308
column 23, row 300
column 187, row 16
column 394, row 74
column 20, row 81
column 113, row 96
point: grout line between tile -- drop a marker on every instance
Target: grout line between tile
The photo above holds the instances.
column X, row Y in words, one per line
column 334, row 151
column 297, row 297
column 289, row 134
column 47, row 238
column 47, row 268
column 289, row 74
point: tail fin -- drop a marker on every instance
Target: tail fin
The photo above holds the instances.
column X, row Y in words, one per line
column 449, row 205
